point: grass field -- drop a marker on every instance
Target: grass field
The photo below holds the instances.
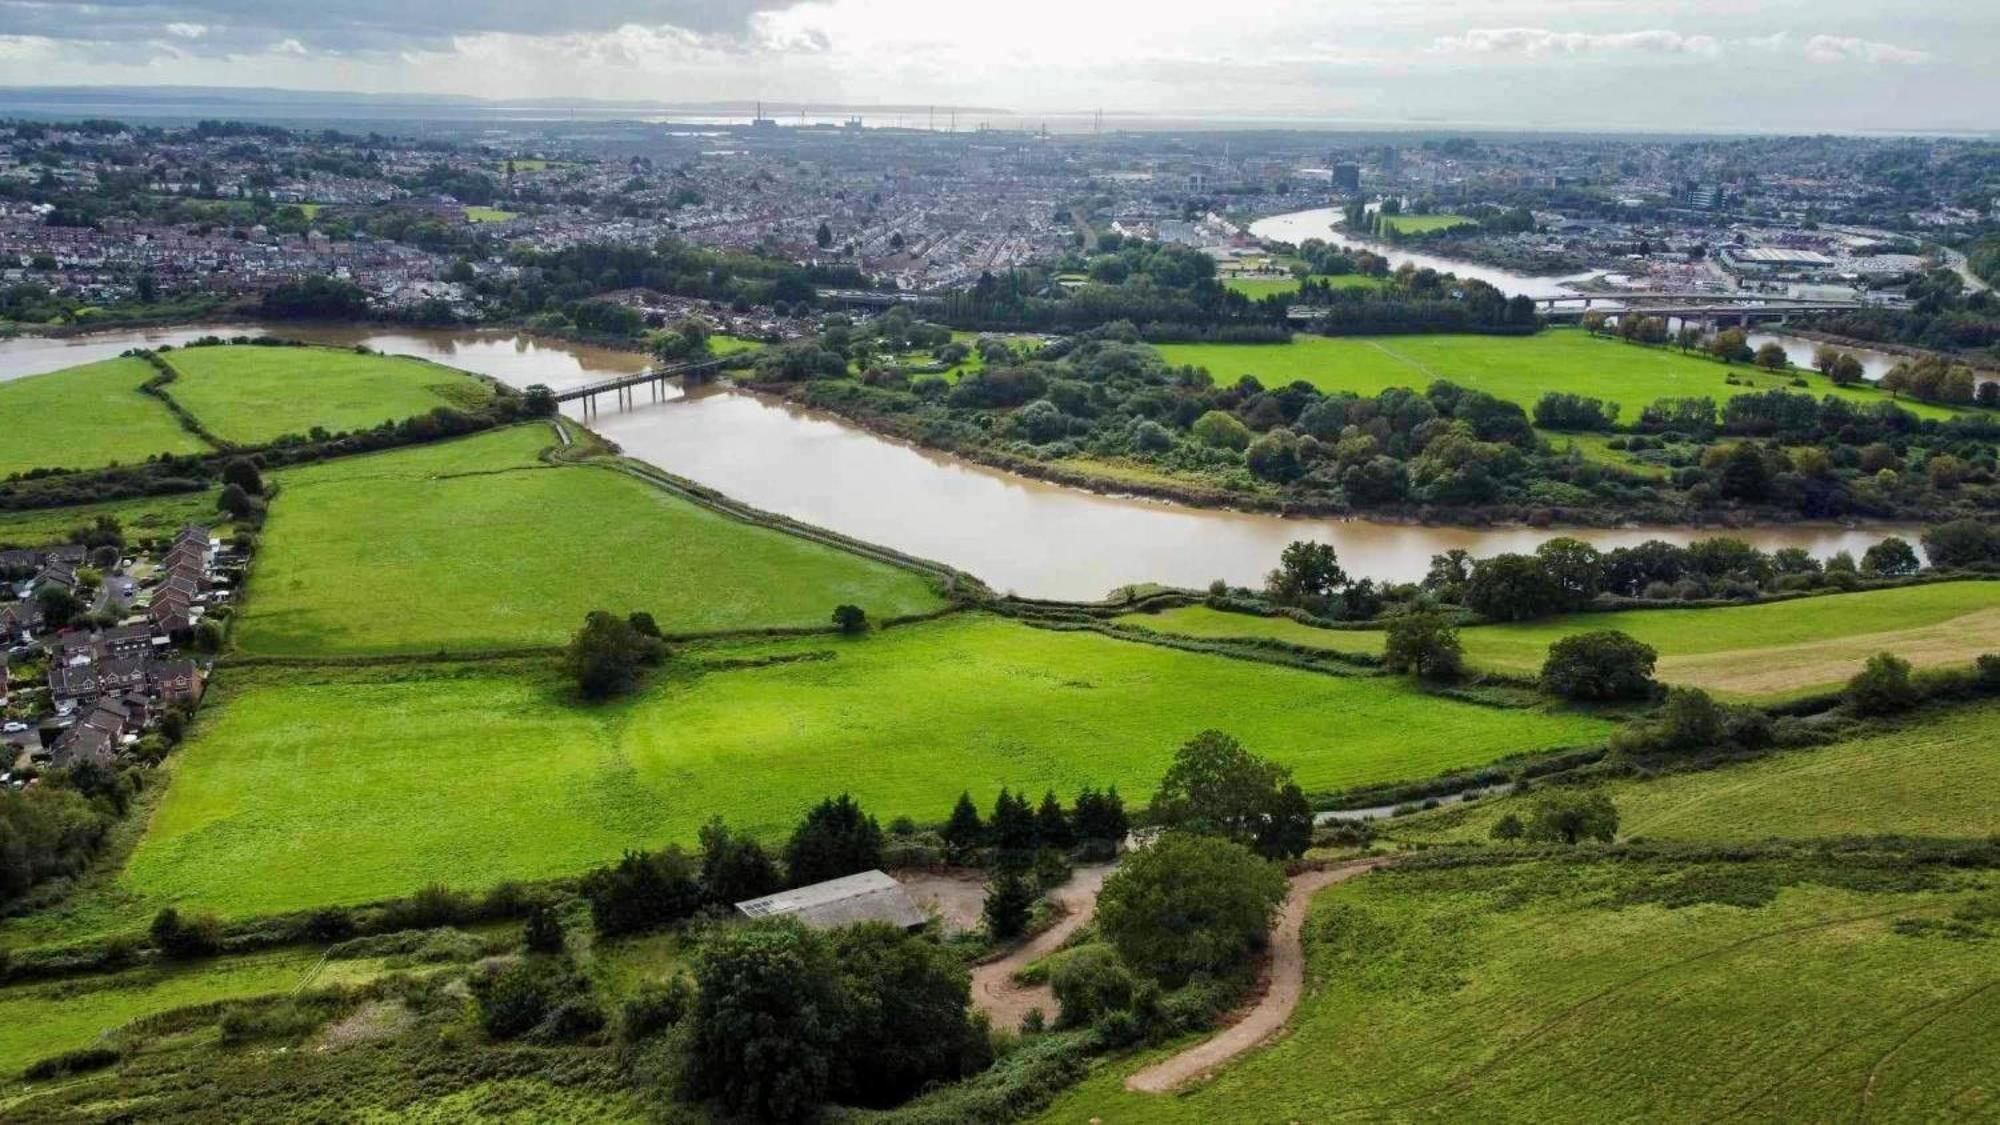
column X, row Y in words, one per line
column 1935, row 777
column 86, row 417
column 489, row 214
column 1776, row 648
column 249, row 394
column 1424, row 224
column 1518, row 368
column 472, row 545
column 142, row 519
column 40, row 1020
column 1557, row 992
column 1257, row 288
column 303, row 787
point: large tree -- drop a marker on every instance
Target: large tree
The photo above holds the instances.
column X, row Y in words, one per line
column 1217, row 787
column 606, row 654
column 1189, row 904
column 1570, row 816
column 1423, row 643
column 1308, row 576
column 1600, row 665
column 836, row 838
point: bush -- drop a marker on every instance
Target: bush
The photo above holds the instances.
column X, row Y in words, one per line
column 1601, row 665
column 197, row 936
column 1508, row 828
column 1424, row 644
column 1189, row 904
column 544, row 931
column 643, row 891
column 655, row 1008
column 1089, row 983
column 70, row 1062
column 1569, row 816
column 515, row 999
column 1882, row 687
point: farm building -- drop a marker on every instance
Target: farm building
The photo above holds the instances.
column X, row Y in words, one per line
column 870, row 896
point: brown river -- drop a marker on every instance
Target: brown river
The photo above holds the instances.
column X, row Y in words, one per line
column 1019, row 535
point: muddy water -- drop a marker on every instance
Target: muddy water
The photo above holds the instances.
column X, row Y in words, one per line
column 1017, row 534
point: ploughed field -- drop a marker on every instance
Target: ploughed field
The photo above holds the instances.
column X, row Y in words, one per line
column 1517, row 368
column 250, row 395
column 1769, row 649
column 327, row 785
column 1933, row 777
column 476, row 544
column 1768, row 990
column 85, row 418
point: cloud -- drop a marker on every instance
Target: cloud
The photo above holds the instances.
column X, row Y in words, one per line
column 1838, row 49
column 350, row 26
column 1543, row 41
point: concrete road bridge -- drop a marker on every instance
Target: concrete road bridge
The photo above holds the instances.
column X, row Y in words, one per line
column 624, row 388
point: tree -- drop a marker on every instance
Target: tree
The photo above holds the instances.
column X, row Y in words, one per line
column 1423, row 643
column 1009, row 898
column 544, row 932
column 1308, row 575
column 242, row 472
column 734, row 868
column 850, row 619
column 1825, row 359
column 1099, row 817
column 235, row 501
column 1189, row 904
column 643, row 891
column 1569, row 816
column 643, row 624
column 1221, row 430
column 824, row 236
column 1216, row 787
column 1892, row 557
column 1730, row 346
column 1052, row 828
column 1275, row 457
column 1690, row 720
column 1745, row 476
column 1771, row 356
column 1847, row 371
column 1963, row 543
column 1574, row 566
column 964, row 834
column 538, row 401
column 1882, row 687
column 1510, row 587
column 59, row 607
column 906, row 1022
column 836, row 838
column 196, row 936
column 604, row 657
column 1012, row 827
column 764, row 1037
column 1601, row 665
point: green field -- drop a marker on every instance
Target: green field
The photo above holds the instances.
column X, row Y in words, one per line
column 489, row 214
column 1774, row 648
column 87, row 417
column 724, row 345
column 40, row 1020
column 338, row 785
column 1519, row 368
column 1567, row 992
column 251, row 395
column 1935, row 777
column 141, row 519
column 1425, row 224
column 1257, row 288
column 474, row 545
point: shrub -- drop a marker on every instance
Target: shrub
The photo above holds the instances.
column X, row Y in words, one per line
column 1088, row 983
column 514, row 999
column 70, row 1062
column 654, row 1008
column 1424, row 644
column 1882, row 687
column 1189, row 904
column 1508, row 827
column 1568, row 816
column 197, row 936
column 850, row 619
column 544, row 931
column 642, row 891
column 1601, row 665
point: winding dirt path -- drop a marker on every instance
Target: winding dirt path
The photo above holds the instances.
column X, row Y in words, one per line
column 1288, row 978
column 994, row 990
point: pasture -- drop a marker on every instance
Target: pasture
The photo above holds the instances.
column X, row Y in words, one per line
column 475, row 545
column 1425, row 224
column 87, row 417
column 302, row 787
column 1257, row 288
column 251, row 395
column 1517, row 368
column 145, row 518
column 1933, row 777
column 1617, row 992
column 1768, row 649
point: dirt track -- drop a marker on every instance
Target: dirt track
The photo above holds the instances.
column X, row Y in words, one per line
column 993, row 988
column 1288, row 976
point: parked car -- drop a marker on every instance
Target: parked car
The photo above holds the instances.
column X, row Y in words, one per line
column 12, row 728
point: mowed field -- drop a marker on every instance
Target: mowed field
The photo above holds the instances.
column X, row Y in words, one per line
column 250, row 395
column 1424, row 224
column 1770, row 649
column 1518, row 368
column 473, row 544
column 85, row 418
column 1568, row 992
column 1257, row 288
column 1935, row 777
column 304, row 786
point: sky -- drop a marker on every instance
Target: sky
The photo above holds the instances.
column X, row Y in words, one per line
column 1751, row 65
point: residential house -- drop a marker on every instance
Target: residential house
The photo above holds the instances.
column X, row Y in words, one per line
column 83, row 743
column 171, row 680
column 19, row 621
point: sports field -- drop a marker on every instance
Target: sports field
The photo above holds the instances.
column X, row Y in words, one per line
column 338, row 785
column 489, row 214
column 1257, row 288
column 252, row 395
column 474, row 545
column 1774, row 648
column 1933, row 777
column 1572, row 992
column 87, row 417
column 1519, row 368
column 1424, row 224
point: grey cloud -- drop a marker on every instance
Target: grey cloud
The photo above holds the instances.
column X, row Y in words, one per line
column 224, row 26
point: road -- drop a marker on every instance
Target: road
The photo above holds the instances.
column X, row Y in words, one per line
column 994, row 990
